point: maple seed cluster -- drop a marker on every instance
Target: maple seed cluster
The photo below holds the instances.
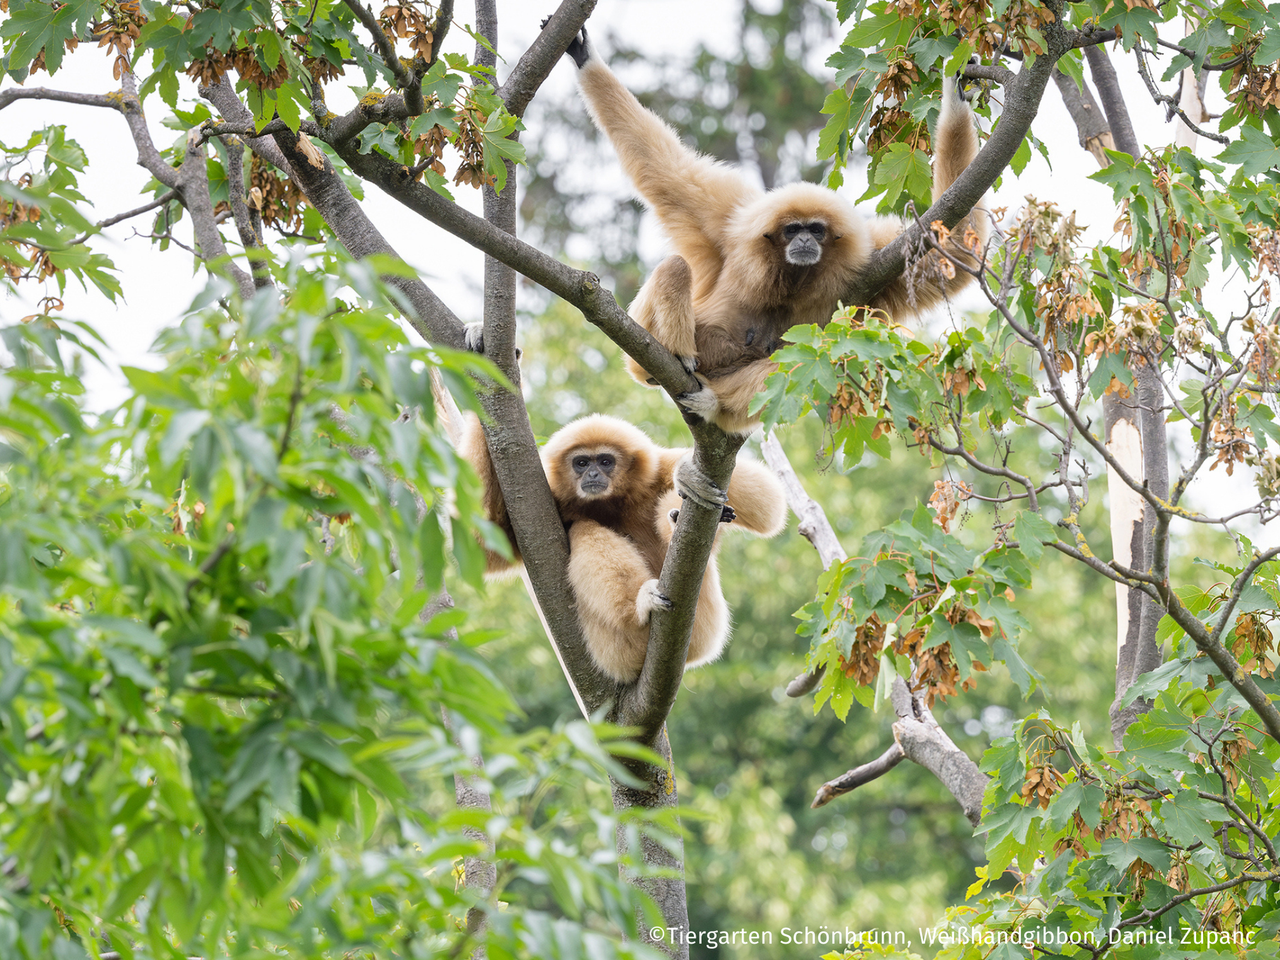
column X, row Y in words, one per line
column 1252, row 87
column 118, row 31
column 244, row 60
column 890, row 123
column 14, row 211
column 409, row 23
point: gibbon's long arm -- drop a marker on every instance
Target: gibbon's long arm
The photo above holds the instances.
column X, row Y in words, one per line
column 692, row 195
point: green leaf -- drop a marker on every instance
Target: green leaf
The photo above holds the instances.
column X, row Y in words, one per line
column 1255, row 152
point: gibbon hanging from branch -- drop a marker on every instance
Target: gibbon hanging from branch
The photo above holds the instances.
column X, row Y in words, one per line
column 750, row 264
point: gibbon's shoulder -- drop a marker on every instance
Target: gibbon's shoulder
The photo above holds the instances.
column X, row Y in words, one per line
column 600, row 430
column 795, row 203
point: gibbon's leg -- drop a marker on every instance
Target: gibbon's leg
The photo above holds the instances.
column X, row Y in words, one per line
column 710, row 620
column 725, row 399
column 955, row 144
column 693, row 195
column 758, row 500
column 664, row 307
column 473, row 449
column 615, row 595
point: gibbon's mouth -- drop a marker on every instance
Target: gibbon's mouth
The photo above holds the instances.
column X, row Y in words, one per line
column 804, row 257
column 594, row 488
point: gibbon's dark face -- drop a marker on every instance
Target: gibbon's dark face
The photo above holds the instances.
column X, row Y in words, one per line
column 803, row 242
column 593, row 472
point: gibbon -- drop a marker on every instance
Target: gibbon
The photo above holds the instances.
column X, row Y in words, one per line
column 749, row 265
column 618, row 494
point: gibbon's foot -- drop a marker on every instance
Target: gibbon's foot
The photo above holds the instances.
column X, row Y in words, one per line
column 727, row 515
column 650, row 599
column 691, row 484
column 473, row 338
column 704, row 403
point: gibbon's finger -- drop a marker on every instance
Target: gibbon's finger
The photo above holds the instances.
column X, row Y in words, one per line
column 689, row 363
column 727, row 514
column 650, row 599
column 693, row 485
column 673, row 516
column 580, row 48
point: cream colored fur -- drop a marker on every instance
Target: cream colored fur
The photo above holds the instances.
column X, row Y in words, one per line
column 725, row 298
column 618, row 541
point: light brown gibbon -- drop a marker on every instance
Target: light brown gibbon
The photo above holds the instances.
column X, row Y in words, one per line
column 618, row 494
column 750, row 264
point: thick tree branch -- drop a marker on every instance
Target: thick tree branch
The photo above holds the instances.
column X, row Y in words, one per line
column 247, row 226
column 1023, row 94
column 578, row 287
column 223, row 96
column 1091, row 123
column 1104, row 78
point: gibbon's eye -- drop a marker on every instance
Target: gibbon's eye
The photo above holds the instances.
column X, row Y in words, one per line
column 606, row 461
column 791, row 231
column 818, row 230
column 580, row 463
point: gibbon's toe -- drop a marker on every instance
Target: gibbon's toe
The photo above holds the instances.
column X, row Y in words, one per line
column 728, row 514
column 693, row 485
column 651, row 599
column 690, row 364
column 674, row 517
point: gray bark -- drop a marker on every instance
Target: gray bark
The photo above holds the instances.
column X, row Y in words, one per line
column 1138, row 652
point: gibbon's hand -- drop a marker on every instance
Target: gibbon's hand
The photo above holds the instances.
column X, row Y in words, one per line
column 953, row 89
column 473, row 338
column 727, row 515
column 691, row 484
column 650, row 599
column 579, row 48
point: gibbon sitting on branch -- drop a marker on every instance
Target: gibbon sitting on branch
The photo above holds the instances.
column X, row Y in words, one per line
column 618, row 495
column 749, row 265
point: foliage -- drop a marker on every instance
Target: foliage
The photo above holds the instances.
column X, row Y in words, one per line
column 1170, row 836
column 220, row 710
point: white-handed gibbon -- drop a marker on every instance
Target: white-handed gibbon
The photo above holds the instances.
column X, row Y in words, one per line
column 749, row 265
column 618, row 495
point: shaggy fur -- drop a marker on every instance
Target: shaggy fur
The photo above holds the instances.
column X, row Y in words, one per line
column 728, row 295
column 618, row 540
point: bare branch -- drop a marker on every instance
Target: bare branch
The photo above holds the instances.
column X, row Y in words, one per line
column 858, row 776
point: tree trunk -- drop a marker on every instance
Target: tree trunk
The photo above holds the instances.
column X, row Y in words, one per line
column 667, row 892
